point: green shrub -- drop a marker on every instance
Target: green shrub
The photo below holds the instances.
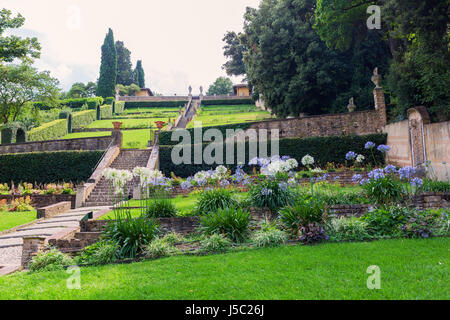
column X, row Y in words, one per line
column 131, row 234
column 232, row 222
column 50, row 260
column 83, row 118
column 435, row 186
column 109, row 100
column 119, row 106
column 302, row 213
column 102, row 252
column 154, row 104
column 216, row 243
column 419, row 225
column 213, row 200
column 159, row 248
column 160, row 208
column 106, row 111
column 49, row 131
column 173, row 237
column 68, row 166
column 268, row 193
column 385, row 190
column 76, row 103
column 386, row 221
column 269, row 237
column 347, row 229
column 227, row 102
column 10, row 133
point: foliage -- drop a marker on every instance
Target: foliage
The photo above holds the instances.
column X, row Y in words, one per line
column 83, row 118
column 386, row 221
column 419, row 225
column 384, row 190
column 301, row 214
column 28, row 166
column 234, row 51
column 119, row 106
column 49, row 131
column 213, row 200
column 130, row 90
column 139, row 74
column 154, row 104
column 173, row 238
column 347, row 229
column 50, row 260
column 435, row 186
column 81, row 90
column 159, row 248
column 269, row 193
column 131, row 235
column 108, row 68
column 102, row 252
column 221, row 86
column 124, row 66
column 19, row 86
column 269, row 237
column 106, row 111
column 230, row 102
column 14, row 47
column 231, row 222
column 312, row 233
column 160, row 208
column 215, row 243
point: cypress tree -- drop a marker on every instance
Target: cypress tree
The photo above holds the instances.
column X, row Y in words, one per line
column 139, row 74
column 124, row 66
column 108, row 68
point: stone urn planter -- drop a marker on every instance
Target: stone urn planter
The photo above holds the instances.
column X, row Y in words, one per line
column 117, row 125
column 160, row 124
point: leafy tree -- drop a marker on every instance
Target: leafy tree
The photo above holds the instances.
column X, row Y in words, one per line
column 124, row 66
column 78, row 90
column 139, row 74
column 91, row 89
column 12, row 47
column 19, row 86
column 234, row 51
column 108, row 68
column 130, row 90
column 221, row 86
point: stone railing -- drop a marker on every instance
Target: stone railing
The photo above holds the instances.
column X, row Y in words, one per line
column 154, row 99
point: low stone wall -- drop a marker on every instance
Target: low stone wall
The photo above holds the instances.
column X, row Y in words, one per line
column 44, row 200
column 432, row 200
column 85, row 144
column 154, row 99
column 53, row 210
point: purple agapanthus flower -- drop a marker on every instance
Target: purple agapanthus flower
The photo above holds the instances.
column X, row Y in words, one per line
column 266, row 192
column 364, row 181
column 383, row 148
column 416, row 182
column 351, row 155
column 406, row 172
column 376, row 174
column 390, row 169
column 356, row 178
column 224, row 183
column 369, row 145
column 186, row 185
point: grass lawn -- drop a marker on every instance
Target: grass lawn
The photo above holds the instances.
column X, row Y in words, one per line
column 410, row 269
column 221, row 115
column 10, row 220
column 150, row 112
column 131, row 138
column 128, row 123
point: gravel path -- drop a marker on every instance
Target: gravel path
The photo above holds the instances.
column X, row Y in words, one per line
column 11, row 244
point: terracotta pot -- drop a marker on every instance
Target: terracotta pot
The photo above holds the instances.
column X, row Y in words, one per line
column 117, row 125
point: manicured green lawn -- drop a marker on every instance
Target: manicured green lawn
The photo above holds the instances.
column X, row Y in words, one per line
column 131, row 138
column 128, row 123
column 221, row 115
column 10, row 220
column 150, row 112
column 410, row 269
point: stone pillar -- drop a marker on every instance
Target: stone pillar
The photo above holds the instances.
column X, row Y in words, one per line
column 417, row 117
column 117, row 137
column 378, row 97
column 79, row 198
column 31, row 246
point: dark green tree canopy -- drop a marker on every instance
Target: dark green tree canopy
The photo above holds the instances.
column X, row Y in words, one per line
column 12, row 47
column 108, row 68
column 221, row 86
column 234, row 52
column 139, row 74
column 124, row 66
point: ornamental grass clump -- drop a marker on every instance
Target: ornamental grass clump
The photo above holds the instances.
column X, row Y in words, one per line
column 269, row 236
column 231, row 222
column 50, row 260
column 213, row 200
column 347, row 229
column 215, row 243
column 270, row 193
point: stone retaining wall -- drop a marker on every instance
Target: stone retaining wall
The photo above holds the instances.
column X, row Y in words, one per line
column 44, row 200
column 53, row 210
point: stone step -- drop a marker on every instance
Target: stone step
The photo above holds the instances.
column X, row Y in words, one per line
column 91, row 236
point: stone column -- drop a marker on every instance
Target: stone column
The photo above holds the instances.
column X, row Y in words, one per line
column 31, row 246
column 417, row 117
column 117, row 137
column 378, row 97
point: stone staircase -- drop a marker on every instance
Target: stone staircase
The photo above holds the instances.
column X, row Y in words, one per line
column 128, row 159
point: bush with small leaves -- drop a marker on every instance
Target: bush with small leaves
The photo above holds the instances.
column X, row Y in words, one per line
column 50, row 260
column 102, row 252
column 270, row 237
column 232, row 222
column 216, row 243
column 161, row 208
column 213, row 200
column 173, row 237
column 347, row 229
column 159, row 248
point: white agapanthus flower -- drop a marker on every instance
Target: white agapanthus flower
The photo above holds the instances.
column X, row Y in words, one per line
column 317, row 170
column 307, row 160
column 220, row 172
column 360, row 158
column 292, row 163
column 118, row 178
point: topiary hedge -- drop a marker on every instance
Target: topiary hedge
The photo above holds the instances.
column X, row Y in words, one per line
column 119, row 107
column 83, row 118
column 48, row 167
column 109, row 100
column 166, row 136
column 323, row 149
column 227, row 102
column 13, row 132
column 49, row 131
column 92, row 103
column 155, row 104
column 106, row 111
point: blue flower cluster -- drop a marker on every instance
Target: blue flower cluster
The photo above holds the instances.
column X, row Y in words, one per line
column 351, row 155
column 266, row 192
column 383, row 148
column 407, row 172
column 369, row 145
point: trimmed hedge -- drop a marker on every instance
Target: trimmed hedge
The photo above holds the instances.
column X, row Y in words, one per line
column 323, row 149
column 227, row 102
column 119, row 107
column 48, row 167
column 13, row 132
column 106, row 111
column 109, row 100
column 49, row 131
column 83, row 118
column 166, row 136
column 154, row 104
column 92, row 103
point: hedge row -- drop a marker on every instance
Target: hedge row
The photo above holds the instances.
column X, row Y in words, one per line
column 48, row 167
column 106, row 111
column 119, row 106
column 227, row 102
column 49, row 131
column 92, row 103
column 323, row 149
column 155, row 104
column 166, row 136
column 83, row 118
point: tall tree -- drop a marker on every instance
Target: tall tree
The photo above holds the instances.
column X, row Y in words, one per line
column 234, row 52
column 19, row 86
column 221, row 86
column 124, row 66
column 12, row 47
column 108, row 68
column 139, row 74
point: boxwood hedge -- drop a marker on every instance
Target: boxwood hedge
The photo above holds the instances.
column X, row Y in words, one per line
column 227, row 102
column 48, row 167
column 106, row 111
column 154, row 104
column 49, row 131
column 83, row 118
column 323, row 149
column 119, row 106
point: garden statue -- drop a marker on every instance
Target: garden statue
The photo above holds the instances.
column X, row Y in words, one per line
column 201, row 90
column 190, row 90
column 376, row 78
column 351, row 105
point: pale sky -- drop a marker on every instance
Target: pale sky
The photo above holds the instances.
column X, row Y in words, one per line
column 178, row 41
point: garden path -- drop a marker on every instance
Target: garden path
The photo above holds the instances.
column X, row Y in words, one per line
column 11, row 243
